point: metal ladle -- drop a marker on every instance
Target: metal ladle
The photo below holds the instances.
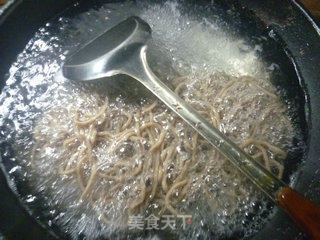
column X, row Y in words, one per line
column 122, row 50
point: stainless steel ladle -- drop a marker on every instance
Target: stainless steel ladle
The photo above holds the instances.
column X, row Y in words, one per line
column 122, row 50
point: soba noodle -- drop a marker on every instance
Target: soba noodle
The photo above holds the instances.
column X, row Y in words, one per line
column 127, row 159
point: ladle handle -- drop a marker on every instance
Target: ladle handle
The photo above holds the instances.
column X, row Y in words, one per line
column 304, row 212
column 301, row 210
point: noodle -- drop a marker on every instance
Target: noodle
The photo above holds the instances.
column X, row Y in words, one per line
column 152, row 152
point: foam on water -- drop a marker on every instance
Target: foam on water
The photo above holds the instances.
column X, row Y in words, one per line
column 180, row 40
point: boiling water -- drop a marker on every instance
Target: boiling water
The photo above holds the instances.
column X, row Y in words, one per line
column 183, row 44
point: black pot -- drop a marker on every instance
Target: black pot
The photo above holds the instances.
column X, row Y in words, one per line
column 298, row 40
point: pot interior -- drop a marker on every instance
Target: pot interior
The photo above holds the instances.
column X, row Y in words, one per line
column 81, row 22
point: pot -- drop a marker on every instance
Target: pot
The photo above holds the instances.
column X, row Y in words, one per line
column 294, row 41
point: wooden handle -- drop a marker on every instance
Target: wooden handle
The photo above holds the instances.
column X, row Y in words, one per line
column 304, row 212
